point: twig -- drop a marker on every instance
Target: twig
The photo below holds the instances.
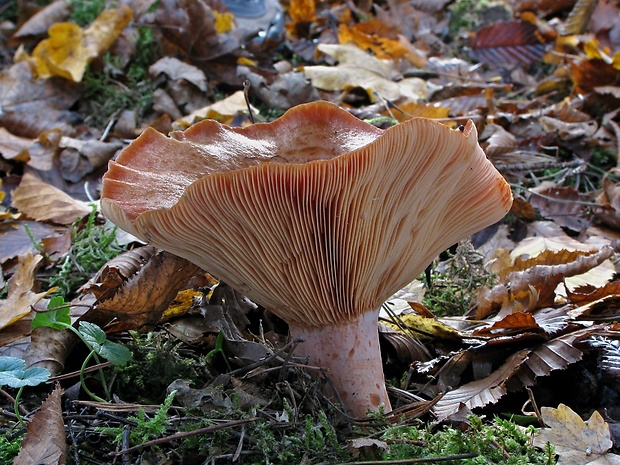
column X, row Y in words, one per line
column 264, row 361
column 246, row 96
column 185, row 434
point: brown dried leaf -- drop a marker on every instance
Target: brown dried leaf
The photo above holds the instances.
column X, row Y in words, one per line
column 45, row 438
column 483, row 391
column 21, row 295
column 190, row 26
column 44, row 202
column 555, row 354
column 16, row 241
column 515, row 323
column 576, row 441
column 563, row 205
column 141, row 301
column 508, row 43
column 39, row 23
column 531, row 283
column 30, row 106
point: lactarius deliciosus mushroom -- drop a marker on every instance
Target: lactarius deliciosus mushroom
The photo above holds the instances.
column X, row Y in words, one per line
column 317, row 216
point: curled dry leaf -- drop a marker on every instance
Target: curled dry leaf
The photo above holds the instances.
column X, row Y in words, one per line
column 44, row 202
column 45, row 438
column 531, row 283
column 141, row 300
column 576, row 441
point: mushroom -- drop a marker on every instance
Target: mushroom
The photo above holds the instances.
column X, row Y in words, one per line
column 317, row 216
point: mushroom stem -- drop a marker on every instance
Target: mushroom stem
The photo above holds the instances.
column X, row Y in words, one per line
column 351, row 356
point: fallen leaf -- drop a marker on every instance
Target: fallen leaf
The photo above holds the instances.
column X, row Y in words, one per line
column 483, row 391
column 176, row 69
column 577, row 442
column 507, row 43
column 223, row 111
column 44, row 202
column 531, row 283
column 40, row 22
column 21, row 296
column 69, row 49
column 45, row 438
column 142, row 299
column 30, row 106
column 356, row 68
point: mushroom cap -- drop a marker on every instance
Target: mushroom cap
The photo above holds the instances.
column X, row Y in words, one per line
column 317, row 216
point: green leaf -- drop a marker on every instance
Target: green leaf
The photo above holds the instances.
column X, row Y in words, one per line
column 13, row 373
column 57, row 319
column 97, row 341
column 92, row 335
column 116, row 354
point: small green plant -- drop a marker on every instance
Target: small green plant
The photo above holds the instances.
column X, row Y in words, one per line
column 92, row 335
column 116, row 86
column 84, row 12
column 500, row 442
column 145, row 429
column 13, row 373
column 454, row 281
column 10, row 445
column 92, row 246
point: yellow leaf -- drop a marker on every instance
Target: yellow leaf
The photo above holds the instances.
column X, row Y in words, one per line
column 62, row 54
column 21, row 297
column 181, row 304
column 224, row 22
column 105, row 29
column 302, row 11
column 68, row 49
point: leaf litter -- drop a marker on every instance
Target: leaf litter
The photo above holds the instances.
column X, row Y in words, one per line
column 538, row 78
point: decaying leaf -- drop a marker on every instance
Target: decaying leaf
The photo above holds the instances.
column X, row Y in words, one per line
column 45, row 439
column 142, row 299
column 44, row 202
column 21, row 295
column 576, row 441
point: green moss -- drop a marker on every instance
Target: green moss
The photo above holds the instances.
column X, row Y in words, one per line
column 500, row 442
